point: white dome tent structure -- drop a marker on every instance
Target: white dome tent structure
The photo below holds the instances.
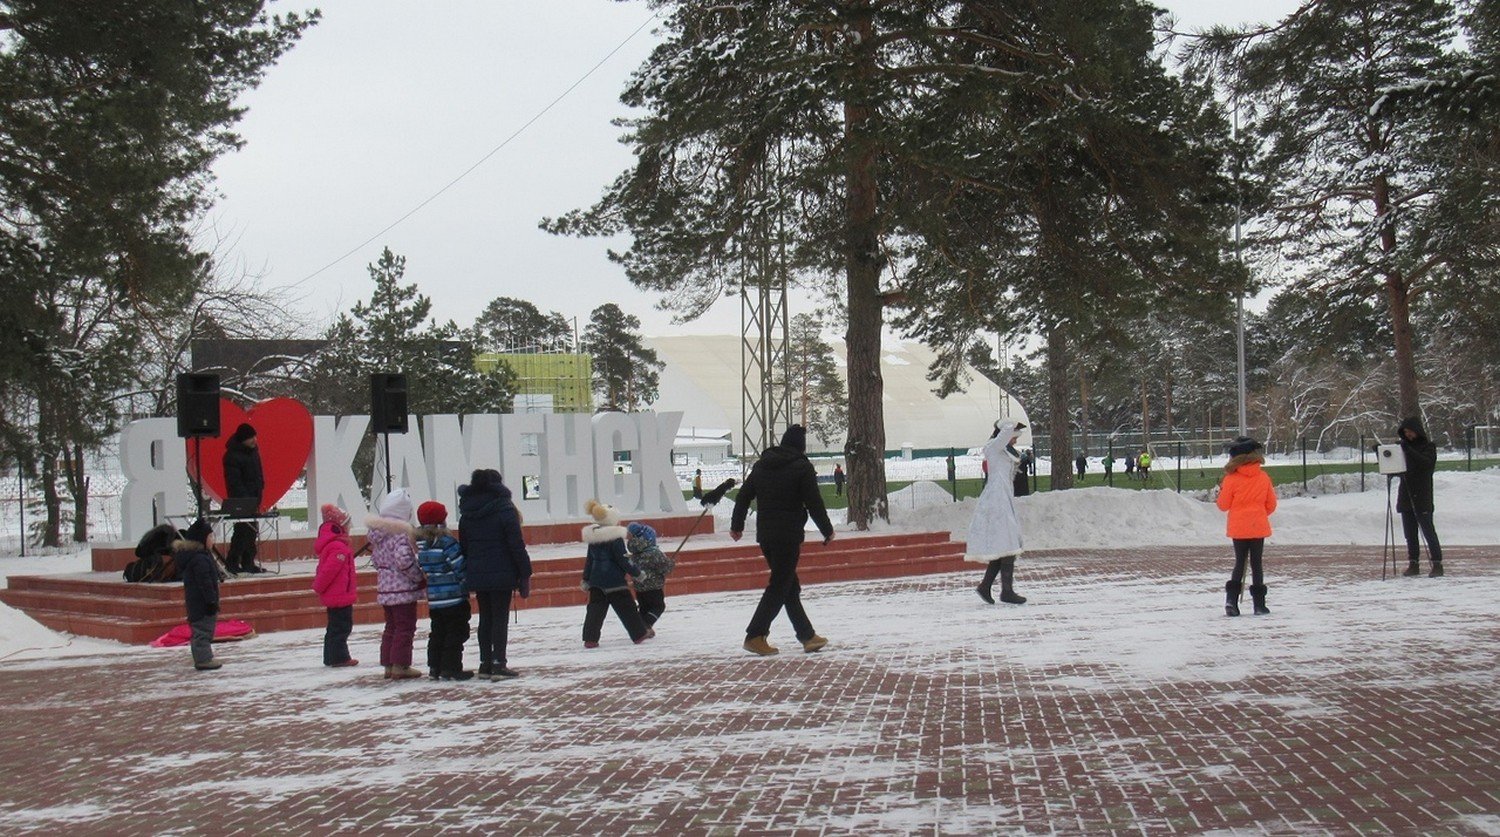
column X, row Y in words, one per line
column 702, row 378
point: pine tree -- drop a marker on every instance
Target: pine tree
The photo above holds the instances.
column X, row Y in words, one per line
column 625, row 371
column 112, row 114
column 515, row 325
column 1355, row 188
column 818, row 400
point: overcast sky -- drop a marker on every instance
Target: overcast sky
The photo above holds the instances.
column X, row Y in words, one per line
column 385, row 102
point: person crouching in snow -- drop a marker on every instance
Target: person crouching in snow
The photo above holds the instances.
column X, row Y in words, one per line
column 1247, row 495
column 447, row 601
column 200, row 590
column 650, row 592
column 995, row 530
column 399, row 582
column 335, row 584
column 604, row 572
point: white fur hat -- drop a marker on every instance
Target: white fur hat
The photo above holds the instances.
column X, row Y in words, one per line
column 396, row 506
column 603, row 513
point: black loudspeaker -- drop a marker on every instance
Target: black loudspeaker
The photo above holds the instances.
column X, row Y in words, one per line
column 387, row 403
column 197, row 405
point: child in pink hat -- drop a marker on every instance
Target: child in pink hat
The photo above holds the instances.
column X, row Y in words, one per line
column 335, row 584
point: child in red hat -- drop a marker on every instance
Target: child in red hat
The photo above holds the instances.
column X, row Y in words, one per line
column 442, row 561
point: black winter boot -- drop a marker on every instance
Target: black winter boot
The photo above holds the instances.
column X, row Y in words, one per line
column 1007, row 575
column 1258, row 594
column 990, row 571
column 1437, row 570
column 1232, row 597
column 1413, row 568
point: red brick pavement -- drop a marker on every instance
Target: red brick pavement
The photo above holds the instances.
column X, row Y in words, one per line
column 1119, row 700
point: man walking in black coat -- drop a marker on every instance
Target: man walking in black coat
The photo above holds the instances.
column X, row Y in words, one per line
column 243, row 478
column 784, row 486
column 1414, row 498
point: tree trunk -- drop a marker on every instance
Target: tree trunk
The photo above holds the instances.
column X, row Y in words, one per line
column 1057, row 404
column 1083, row 409
column 1398, row 302
column 51, row 501
column 78, row 487
column 865, row 448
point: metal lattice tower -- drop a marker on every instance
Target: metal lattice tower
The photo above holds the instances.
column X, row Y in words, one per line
column 766, row 403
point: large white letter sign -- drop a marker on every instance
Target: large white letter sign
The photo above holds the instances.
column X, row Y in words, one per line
column 617, row 432
column 567, row 463
column 154, row 462
column 454, row 453
column 408, row 465
column 521, row 461
column 330, row 472
column 659, row 489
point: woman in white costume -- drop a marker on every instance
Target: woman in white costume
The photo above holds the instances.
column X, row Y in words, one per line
column 995, row 531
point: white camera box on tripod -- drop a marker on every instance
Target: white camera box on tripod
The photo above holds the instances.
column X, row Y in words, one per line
column 1391, row 459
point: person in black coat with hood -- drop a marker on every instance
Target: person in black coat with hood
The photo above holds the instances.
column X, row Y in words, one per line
column 243, row 478
column 200, row 590
column 1414, row 497
column 784, row 486
column 496, row 563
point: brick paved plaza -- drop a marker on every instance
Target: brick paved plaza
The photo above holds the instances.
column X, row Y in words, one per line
column 1120, row 699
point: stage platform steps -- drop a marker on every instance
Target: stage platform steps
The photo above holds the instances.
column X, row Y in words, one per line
column 102, row 605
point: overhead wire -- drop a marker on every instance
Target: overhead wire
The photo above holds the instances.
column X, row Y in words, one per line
column 481, row 161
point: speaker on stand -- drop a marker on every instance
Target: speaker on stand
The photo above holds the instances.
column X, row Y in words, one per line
column 197, row 417
column 388, row 411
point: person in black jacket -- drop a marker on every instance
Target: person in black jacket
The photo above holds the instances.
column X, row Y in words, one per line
column 1414, row 497
column 200, row 590
column 784, row 486
column 243, row 478
column 497, row 563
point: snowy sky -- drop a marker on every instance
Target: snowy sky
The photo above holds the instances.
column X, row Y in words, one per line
column 385, row 103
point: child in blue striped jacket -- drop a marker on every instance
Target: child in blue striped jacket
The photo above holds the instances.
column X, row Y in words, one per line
column 447, row 600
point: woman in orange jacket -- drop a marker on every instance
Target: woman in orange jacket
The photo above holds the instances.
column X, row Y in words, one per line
column 1247, row 495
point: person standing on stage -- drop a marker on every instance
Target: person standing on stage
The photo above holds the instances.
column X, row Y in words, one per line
column 243, row 478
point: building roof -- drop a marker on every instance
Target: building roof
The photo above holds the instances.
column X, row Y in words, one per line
column 702, row 378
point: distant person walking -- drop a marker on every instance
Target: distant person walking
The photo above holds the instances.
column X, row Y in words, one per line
column 1143, row 464
column 1081, row 462
column 698, row 484
column 1247, row 495
column 1129, row 466
column 1414, row 497
column 838, row 480
column 995, row 530
column 1109, row 467
column 784, row 487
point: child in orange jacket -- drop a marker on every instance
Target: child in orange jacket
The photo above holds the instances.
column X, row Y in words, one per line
column 1247, row 495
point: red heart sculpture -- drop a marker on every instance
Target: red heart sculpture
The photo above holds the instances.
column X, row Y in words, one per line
column 284, row 433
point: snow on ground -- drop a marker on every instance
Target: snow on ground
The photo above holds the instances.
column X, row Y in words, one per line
column 1468, row 513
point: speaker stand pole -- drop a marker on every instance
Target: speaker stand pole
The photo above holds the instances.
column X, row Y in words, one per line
column 198, row 474
column 387, row 462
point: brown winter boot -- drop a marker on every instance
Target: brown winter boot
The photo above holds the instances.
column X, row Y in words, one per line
column 404, row 673
column 814, row 643
column 388, row 672
column 759, row 645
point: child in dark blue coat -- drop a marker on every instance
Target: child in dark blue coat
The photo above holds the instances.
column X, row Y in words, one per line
column 447, row 600
column 604, row 572
column 200, row 590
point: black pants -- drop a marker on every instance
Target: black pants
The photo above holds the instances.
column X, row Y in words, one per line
column 336, row 638
column 653, row 604
column 1410, row 523
column 624, row 606
column 783, row 590
column 446, row 637
column 242, row 547
column 1248, row 548
column 494, row 627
